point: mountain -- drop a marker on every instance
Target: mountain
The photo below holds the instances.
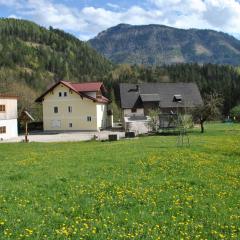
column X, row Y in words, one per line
column 158, row 45
column 33, row 57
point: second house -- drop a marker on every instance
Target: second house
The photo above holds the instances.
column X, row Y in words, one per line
column 75, row 106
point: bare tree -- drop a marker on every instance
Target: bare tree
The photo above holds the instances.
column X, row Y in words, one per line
column 210, row 109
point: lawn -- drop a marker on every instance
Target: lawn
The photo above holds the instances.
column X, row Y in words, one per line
column 145, row 188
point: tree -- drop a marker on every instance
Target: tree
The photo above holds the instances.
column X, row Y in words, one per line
column 154, row 119
column 235, row 113
column 114, row 107
column 209, row 110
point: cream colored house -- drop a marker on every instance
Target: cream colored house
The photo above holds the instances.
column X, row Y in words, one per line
column 75, row 106
column 8, row 117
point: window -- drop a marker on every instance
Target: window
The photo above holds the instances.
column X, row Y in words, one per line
column 2, row 130
column 59, row 94
column 56, row 124
column 2, row 108
column 70, row 125
column 69, row 109
column 134, row 110
column 177, row 98
column 65, row 94
column 89, row 119
column 55, row 109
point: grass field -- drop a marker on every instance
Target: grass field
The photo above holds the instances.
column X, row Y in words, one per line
column 132, row 189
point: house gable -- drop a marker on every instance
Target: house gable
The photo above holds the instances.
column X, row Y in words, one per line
column 92, row 91
column 58, row 94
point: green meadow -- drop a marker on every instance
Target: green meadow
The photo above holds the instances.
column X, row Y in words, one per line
column 146, row 188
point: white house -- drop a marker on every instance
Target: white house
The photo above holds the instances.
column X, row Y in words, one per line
column 8, row 117
column 75, row 107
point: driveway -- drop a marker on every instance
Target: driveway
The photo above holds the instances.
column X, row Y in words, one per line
column 66, row 136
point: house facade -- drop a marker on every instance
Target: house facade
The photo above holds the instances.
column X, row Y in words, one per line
column 137, row 100
column 8, row 117
column 75, row 106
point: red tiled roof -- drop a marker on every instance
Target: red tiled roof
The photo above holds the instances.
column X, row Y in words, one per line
column 87, row 87
column 81, row 89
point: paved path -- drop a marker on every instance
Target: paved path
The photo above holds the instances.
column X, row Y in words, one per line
column 66, row 137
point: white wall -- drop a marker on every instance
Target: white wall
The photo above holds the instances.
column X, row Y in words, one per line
column 102, row 117
column 11, row 108
column 11, row 129
column 128, row 112
column 8, row 118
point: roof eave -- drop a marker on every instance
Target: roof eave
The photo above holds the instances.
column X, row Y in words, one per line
column 40, row 99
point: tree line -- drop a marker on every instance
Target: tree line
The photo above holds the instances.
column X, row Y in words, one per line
column 210, row 78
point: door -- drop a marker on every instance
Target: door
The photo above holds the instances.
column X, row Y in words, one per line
column 56, row 124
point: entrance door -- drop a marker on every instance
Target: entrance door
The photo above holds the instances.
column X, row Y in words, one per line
column 56, row 124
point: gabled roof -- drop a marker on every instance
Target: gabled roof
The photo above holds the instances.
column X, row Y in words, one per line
column 26, row 116
column 81, row 89
column 166, row 91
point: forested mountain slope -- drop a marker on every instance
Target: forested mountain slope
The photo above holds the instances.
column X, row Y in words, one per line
column 158, row 45
column 33, row 57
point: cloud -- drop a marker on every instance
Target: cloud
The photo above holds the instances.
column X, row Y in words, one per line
column 216, row 14
column 56, row 15
column 11, row 3
column 86, row 22
column 223, row 14
column 14, row 16
column 114, row 6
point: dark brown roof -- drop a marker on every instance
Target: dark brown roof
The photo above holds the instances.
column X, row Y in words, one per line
column 131, row 93
column 7, row 96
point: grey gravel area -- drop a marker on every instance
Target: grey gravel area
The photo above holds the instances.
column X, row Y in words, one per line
column 66, row 137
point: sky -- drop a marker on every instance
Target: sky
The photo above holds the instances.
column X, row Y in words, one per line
column 86, row 18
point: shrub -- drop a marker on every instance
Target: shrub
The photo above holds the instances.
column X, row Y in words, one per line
column 187, row 121
column 235, row 113
column 153, row 124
